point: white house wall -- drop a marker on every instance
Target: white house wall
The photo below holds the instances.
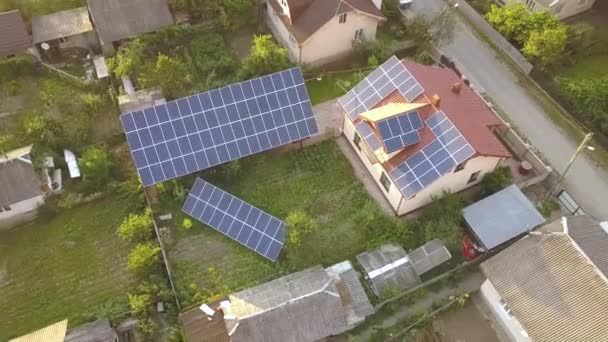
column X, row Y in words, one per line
column 454, row 182
column 283, row 35
column 508, row 324
column 334, row 39
column 20, row 212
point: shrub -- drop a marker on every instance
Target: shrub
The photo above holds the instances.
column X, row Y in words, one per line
column 496, row 181
column 147, row 329
column 266, row 57
column 140, row 304
column 96, row 166
column 144, row 257
column 136, row 227
column 187, row 223
column 547, row 207
column 299, row 225
column 170, row 74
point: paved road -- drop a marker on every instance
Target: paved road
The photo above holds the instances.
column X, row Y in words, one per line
column 587, row 183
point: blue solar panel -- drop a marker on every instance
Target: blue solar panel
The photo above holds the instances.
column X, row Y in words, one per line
column 434, row 160
column 368, row 135
column 207, row 129
column 231, row 216
column 400, row 131
column 390, row 76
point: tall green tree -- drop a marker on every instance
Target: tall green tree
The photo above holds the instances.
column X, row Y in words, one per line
column 266, row 57
column 546, row 47
column 515, row 22
column 96, row 166
column 168, row 73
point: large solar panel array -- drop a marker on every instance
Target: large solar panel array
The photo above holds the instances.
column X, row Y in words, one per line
column 236, row 219
column 400, row 131
column 380, row 83
column 368, row 135
column 211, row 128
column 434, row 160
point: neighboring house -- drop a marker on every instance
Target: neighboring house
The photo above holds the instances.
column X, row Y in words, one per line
column 21, row 188
column 305, row 306
column 551, row 285
column 98, row 331
column 117, row 20
column 420, row 131
column 320, row 31
column 14, row 37
column 562, row 9
column 66, row 29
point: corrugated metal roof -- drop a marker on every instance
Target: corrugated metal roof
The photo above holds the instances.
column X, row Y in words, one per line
column 14, row 37
column 350, row 278
column 428, row 256
column 501, row 217
column 61, row 24
column 115, row 20
column 551, row 288
column 97, row 331
column 591, row 238
column 52, row 333
column 18, row 181
column 388, row 267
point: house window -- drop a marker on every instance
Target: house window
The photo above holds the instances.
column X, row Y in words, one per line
column 506, row 308
column 357, row 140
column 474, row 177
column 358, row 34
column 460, row 166
column 342, row 18
column 386, row 183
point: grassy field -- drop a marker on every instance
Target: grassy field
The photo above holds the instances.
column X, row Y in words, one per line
column 64, row 267
column 317, row 179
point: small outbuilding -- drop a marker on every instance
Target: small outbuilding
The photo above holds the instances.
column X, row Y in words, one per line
column 69, row 29
column 501, row 217
column 14, row 37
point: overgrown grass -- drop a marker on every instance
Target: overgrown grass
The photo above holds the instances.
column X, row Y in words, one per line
column 317, row 179
column 63, row 267
column 587, row 67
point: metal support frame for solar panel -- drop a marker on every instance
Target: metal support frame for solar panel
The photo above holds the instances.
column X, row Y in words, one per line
column 207, row 129
column 235, row 218
column 385, row 79
column 439, row 157
column 400, row 130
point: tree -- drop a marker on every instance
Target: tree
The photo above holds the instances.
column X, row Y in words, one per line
column 511, row 20
column 143, row 257
column 425, row 32
column 44, row 132
column 266, row 57
column 96, row 166
column 589, row 98
column 546, row 47
column 170, row 74
column 136, row 227
column 390, row 9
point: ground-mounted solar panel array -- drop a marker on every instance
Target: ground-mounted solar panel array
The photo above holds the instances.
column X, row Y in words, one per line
column 368, row 135
column 207, row 129
column 233, row 217
column 388, row 77
column 400, row 131
column 439, row 157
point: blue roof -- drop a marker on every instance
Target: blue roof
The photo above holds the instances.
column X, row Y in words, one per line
column 502, row 216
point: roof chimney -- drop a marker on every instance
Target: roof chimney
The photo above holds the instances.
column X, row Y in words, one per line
column 435, row 100
column 456, row 88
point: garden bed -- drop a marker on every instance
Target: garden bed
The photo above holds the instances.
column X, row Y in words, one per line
column 69, row 266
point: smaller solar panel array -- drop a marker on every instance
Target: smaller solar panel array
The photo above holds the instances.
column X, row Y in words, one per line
column 448, row 149
column 236, row 219
column 388, row 77
column 400, row 131
column 368, row 135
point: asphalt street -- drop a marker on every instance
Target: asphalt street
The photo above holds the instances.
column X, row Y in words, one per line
column 586, row 182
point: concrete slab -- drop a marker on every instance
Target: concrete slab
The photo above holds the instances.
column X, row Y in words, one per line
column 329, row 117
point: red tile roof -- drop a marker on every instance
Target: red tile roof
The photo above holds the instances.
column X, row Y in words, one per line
column 467, row 111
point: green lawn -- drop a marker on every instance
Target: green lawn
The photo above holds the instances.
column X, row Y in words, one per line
column 64, row 267
column 327, row 88
column 317, row 179
column 590, row 67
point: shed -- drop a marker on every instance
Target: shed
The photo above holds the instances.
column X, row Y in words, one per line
column 97, row 331
column 14, row 37
column 388, row 267
column 501, row 217
column 61, row 25
column 429, row 256
column 116, row 20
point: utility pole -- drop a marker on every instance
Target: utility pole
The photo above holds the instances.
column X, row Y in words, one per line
column 580, row 148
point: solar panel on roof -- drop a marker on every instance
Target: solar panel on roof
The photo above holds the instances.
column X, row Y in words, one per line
column 368, row 135
column 207, row 129
column 439, row 157
column 385, row 79
column 231, row 216
column 400, row 131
